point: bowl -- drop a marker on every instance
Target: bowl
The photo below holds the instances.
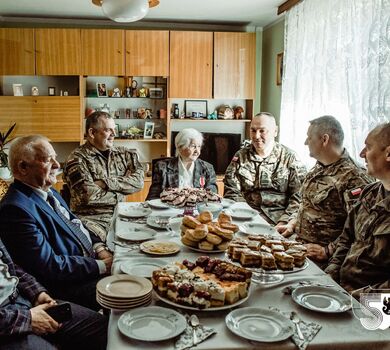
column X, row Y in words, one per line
column 214, row 208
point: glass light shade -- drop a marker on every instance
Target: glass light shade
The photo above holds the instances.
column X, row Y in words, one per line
column 125, row 10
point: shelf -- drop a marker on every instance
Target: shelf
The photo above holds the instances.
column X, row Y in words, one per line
column 212, row 120
column 141, row 140
column 125, row 98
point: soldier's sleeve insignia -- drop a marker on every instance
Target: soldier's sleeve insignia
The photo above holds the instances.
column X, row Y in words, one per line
column 356, row 191
column 235, row 159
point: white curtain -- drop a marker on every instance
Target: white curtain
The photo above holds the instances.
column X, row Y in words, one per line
column 336, row 62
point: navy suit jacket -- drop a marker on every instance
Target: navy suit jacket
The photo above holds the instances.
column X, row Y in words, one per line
column 40, row 242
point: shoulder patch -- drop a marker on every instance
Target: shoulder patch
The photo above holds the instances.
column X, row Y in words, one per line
column 356, row 191
column 235, row 159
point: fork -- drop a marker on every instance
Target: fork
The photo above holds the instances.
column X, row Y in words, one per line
column 296, row 320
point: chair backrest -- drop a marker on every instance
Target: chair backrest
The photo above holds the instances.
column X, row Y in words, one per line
column 154, row 161
column 65, row 193
column 3, row 188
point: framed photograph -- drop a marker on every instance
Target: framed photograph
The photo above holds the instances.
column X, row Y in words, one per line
column 52, row 91
column 18, row 89
column 117, row 130
column 149, row 130
column 279, row 68
column 101, row 90
column 196, row 108
column 156, row 93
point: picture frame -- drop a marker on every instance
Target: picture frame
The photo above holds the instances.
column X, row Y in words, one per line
column 101, row 90
column 17, row 89
column 149, row 130
column 195, row 107
column 279, row 68
column 51, row 91
column 156, row 93
column 116, row 130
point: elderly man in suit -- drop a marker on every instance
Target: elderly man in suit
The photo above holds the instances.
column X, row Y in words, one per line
column 40, row 232
column 25, row 324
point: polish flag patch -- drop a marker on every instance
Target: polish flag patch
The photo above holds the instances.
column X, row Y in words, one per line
column 235, row 159
column 356, row 191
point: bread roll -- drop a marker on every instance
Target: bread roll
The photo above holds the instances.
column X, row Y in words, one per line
column 226, row 234
column 223, row 245
column 223, row 217
column 189, row 235
column 205, row 217
column 204, row 245
column 214, row 239
column 200, row 232
column 229, row 226
column 190, row 221
column 188, row 242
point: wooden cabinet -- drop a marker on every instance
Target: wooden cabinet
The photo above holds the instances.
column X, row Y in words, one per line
column 103, row 51
column 58, row 118
column 17, row 51
column 141, row 195
column 234, row 65
column 191, row 64
column 147, row 53
column 58, row 51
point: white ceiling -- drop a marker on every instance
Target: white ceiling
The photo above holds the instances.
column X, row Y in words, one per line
column 257, row 13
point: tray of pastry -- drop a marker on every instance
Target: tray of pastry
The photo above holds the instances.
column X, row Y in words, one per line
column 202, row 234
column 206, row 284
column 188, row 197
column 266, row 253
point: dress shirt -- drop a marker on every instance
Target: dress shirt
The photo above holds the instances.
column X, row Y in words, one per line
column 186, row 177
column 7, row 283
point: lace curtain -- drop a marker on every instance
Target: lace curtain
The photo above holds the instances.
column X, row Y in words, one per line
column 336, row 62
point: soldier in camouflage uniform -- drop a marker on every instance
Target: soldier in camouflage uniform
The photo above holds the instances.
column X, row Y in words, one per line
column 328, row 190
column 266, row 174
column 99, row 175
column 185, row 170
column 362, row 256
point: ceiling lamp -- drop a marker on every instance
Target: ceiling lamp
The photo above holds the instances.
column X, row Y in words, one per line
column 125, row 10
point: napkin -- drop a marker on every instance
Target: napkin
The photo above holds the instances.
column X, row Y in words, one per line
column 186, row 339
column 309, row 330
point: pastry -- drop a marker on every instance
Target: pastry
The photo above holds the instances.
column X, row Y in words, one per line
column 223, row 245
column 186, row 240
column 284, row 261
column 226, row 234
column 223, row 217
column 190, row 221
column 267, row 261
column 250, row 258
column 213, row 239
column 205, row 217
column 200, row 232
column 298, row 255
column 204, row 245
column 229, row 226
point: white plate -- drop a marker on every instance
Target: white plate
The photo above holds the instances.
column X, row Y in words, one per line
column 157, row 204
column 134, row 212
column 159, row 247
column 124, row 286
column 158, row 221
column 142, row 267
column 257, row 228
column 136, row 232
column 242, row 213
column 226, row 203
column 225, row 307
column 174, row 225
column 202, row 250
column 258, row 324
column 153, row 323
column 322, row 299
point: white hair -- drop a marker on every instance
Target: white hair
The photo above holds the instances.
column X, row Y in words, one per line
column 184, row 137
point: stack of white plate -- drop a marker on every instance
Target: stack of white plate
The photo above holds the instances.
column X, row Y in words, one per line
column 123, row 292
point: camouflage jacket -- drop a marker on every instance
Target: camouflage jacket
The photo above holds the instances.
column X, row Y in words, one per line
column 270, row 185
column 327, row 195
column 166, row 174
column 362, row 256
column 121, row 172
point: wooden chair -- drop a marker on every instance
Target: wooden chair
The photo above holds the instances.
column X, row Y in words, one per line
column 3, row 188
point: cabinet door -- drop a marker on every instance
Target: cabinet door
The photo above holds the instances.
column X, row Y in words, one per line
column 191, row 63
column 58, row 51
column 234, row 65
column 17, row 51
column 147, row 53
column 103, row 51
column 55, row 117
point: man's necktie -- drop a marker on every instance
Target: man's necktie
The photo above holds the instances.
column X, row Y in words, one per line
column 83, row 239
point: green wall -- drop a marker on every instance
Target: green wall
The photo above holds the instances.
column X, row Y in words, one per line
column 273, row 43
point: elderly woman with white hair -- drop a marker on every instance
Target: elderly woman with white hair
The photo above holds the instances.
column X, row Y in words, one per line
column 184, row 170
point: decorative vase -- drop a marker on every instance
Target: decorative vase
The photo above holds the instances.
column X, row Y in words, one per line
column 5, row 173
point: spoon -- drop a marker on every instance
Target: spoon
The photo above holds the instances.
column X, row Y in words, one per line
column 295, row 319
column 194, row 321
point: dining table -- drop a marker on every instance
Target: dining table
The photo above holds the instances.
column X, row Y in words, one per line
column 339, row 330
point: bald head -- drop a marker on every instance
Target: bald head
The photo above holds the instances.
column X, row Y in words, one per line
column 382, row 134
column 263, row 131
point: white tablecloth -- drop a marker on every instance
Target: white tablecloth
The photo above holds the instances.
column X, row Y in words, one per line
column 339, row 331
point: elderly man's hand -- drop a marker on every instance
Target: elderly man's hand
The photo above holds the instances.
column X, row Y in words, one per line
column 285, row 229
column 41, row 322
column 108, row 262
column 316, row 252
column 104, row 254
column 44, row 298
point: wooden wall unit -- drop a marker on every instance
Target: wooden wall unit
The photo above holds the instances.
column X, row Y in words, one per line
column 191, row 64
column 147, row 53
column 17, row 51
column 103, row 51
column 58, row 51
column 234, row 65
column 56, row 117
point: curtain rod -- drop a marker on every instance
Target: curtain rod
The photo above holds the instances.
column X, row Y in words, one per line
column 287, row 5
